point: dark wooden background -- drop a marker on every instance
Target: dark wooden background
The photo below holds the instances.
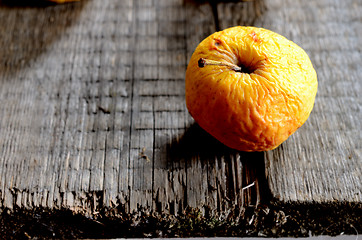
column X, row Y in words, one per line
column 93, row 114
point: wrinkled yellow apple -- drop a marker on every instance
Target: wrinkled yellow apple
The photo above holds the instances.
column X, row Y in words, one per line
column 250, row 88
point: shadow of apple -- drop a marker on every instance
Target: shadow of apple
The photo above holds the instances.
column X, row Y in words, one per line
column 197, row 145
column 196, row 142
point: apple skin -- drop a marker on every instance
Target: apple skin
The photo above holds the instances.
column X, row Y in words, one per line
column 258, row 108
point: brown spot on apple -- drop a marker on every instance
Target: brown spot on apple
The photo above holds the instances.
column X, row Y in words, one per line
column 215, row 44
column 254, row 37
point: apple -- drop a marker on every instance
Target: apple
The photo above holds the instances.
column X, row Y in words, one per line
column 250, row 88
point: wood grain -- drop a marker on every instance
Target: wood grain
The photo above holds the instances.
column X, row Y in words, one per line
column 322, row 161
column 93, row 114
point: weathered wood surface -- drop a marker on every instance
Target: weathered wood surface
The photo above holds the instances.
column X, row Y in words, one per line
column 323, row 160
column 93, row 114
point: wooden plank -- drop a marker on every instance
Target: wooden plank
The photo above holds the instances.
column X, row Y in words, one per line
column 322, row 160
column 93, row 114
column 90, row 123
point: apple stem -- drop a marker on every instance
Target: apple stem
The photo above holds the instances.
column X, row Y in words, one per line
column 203, row 62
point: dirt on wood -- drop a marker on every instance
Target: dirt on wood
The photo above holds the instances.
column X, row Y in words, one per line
column 273, row 220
